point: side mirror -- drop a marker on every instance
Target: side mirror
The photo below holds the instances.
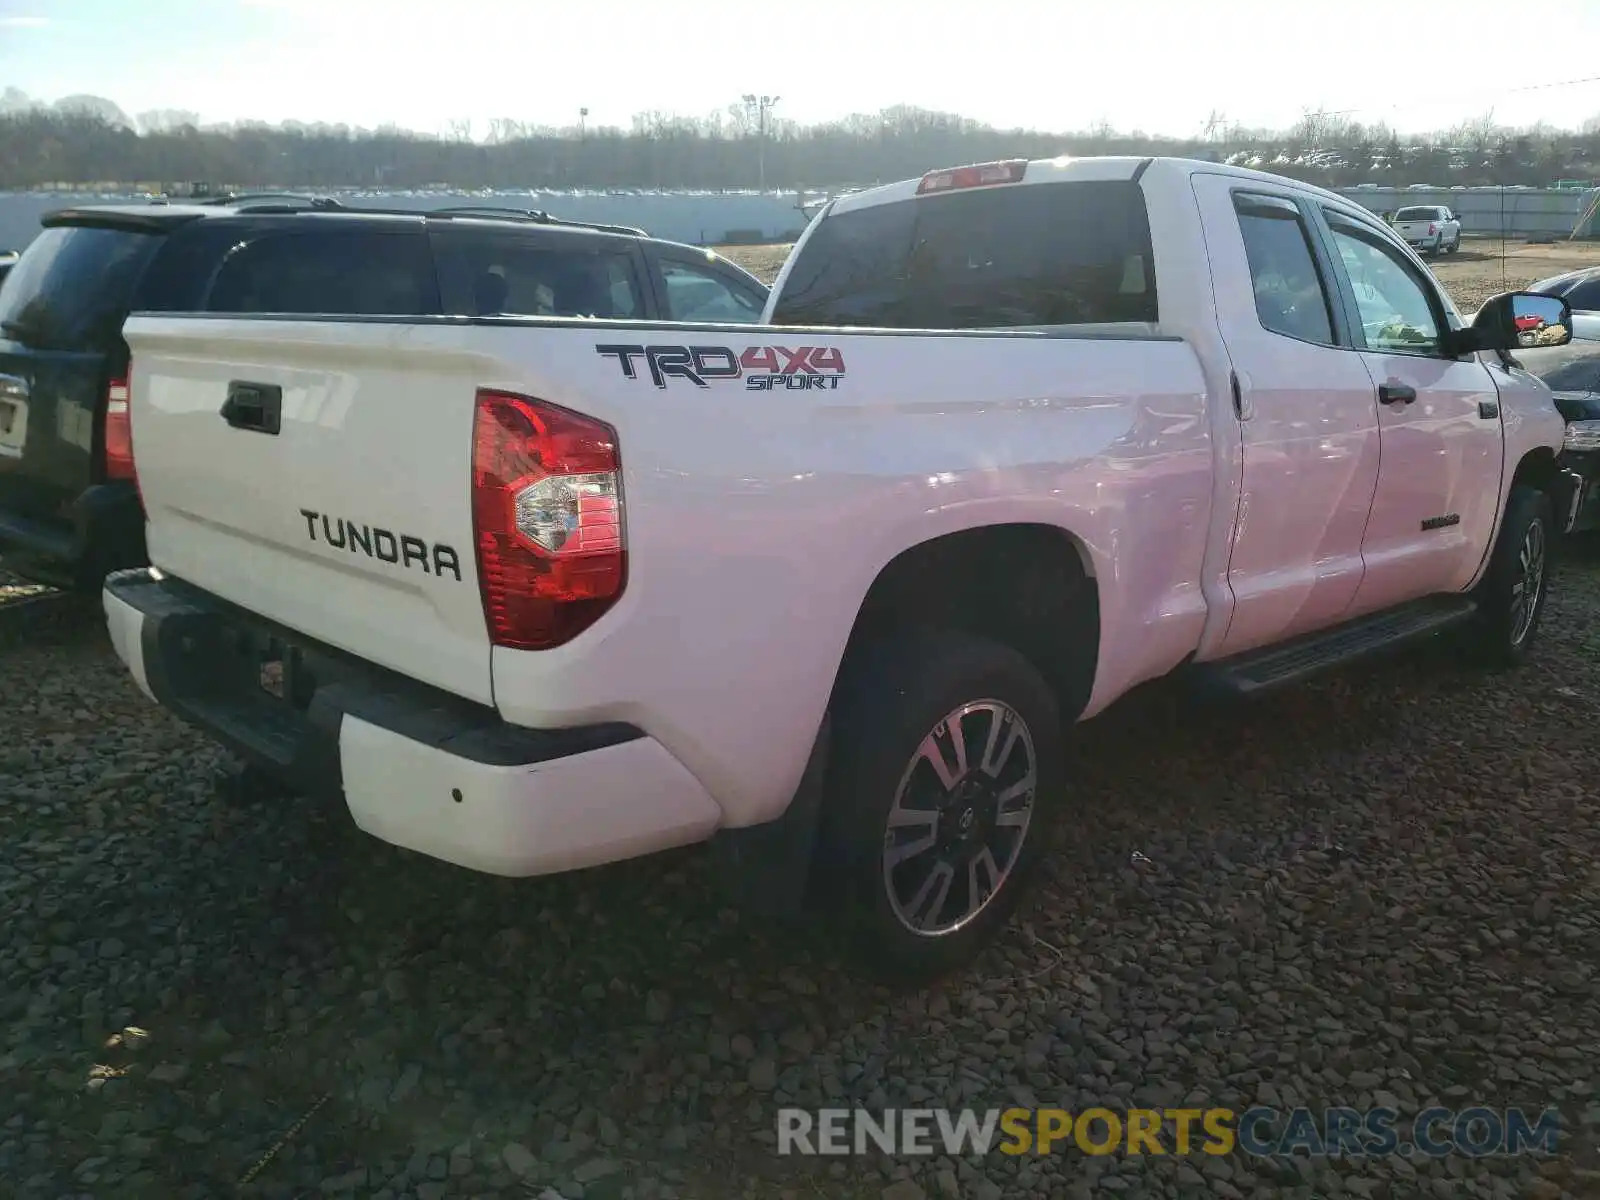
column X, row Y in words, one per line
column 1519, row 321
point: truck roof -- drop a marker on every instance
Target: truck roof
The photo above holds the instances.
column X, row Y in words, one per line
column 1091, row 167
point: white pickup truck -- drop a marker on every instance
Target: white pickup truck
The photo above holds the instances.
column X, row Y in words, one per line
column 830, row 591
column 1429, row 228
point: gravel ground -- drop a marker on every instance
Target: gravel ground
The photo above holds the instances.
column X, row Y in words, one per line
column 1386, row 881
column 1381, row 887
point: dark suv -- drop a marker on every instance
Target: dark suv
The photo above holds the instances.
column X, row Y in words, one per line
column 69, row 507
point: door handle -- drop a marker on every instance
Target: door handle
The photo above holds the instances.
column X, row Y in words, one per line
column 1243, row 409
column 1396, row 393
column 257, row 407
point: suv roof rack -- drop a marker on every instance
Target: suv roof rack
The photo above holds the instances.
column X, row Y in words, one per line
column 534, row 215
column 256, row 199
column 297, row 202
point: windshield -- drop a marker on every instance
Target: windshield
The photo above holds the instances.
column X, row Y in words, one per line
column 1029, row 255
column 70, row 290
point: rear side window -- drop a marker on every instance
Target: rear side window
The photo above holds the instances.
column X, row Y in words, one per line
column 1289, row 292
column 483, row 274
column 71, row 287
column 991, row 258
column 327, row 271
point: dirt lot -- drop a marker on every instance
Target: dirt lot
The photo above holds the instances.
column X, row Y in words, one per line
column 1472, row 274
column 1381, row 889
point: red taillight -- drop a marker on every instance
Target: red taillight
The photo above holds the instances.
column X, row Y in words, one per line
column 119, row 433
column 977, row 175
column 547, row 519
column 1432, row 228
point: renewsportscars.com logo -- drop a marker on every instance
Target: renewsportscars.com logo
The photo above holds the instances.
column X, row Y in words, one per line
column 1260, row 1132
column 763, row 368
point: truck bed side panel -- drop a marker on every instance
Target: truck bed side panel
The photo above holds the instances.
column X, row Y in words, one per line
column 760, row 503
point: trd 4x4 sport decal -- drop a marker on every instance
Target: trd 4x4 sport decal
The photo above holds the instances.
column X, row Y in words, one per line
column 763, row 368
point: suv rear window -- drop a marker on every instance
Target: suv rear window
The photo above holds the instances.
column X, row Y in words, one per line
column 1022, row 255
column 70, row 288
column 327, row 271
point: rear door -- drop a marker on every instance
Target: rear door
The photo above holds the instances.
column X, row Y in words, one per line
column 327, row 265
column 61, row 312
column 1307, row 416
column 1438, row 495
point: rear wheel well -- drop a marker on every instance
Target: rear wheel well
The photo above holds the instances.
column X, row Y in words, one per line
column 1028, row 586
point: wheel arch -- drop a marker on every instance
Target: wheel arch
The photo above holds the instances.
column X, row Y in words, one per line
column 1030, row 585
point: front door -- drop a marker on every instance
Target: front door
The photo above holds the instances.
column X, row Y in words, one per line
column 1307, row 416
column 1438, row 494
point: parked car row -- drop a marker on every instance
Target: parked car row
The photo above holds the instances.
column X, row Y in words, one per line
column 69, row 511
column 827, row 591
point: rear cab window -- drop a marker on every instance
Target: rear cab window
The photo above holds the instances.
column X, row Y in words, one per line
column 1419, row 214
column 71, row 289
column 485, row 272
column 1015, row 256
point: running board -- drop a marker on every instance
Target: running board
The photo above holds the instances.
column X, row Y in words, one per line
column 1258, row 670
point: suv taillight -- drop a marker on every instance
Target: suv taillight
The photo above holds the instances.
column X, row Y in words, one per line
column 119, row 433
column 547, row 519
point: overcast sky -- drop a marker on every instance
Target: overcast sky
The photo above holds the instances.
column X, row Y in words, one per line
column 1161, row 66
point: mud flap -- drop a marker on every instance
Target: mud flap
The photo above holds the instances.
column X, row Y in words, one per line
column 765, row 869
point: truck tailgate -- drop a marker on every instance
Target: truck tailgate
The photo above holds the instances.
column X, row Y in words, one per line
column 347, row 516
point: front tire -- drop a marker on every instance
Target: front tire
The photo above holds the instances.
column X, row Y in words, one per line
column 945, row 782
column 1512, row 596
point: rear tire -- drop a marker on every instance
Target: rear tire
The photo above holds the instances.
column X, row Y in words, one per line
column 1513, row 592
column 925, row 860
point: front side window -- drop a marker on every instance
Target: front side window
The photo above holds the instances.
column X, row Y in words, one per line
column 695, row 293
column 1397, row 311
column 1290, row 297
column 483, row 274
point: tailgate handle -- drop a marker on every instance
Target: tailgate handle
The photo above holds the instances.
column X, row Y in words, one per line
column 254, row 406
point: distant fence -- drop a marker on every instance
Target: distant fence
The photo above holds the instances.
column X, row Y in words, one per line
column 1511, row 212
column 709, row 218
